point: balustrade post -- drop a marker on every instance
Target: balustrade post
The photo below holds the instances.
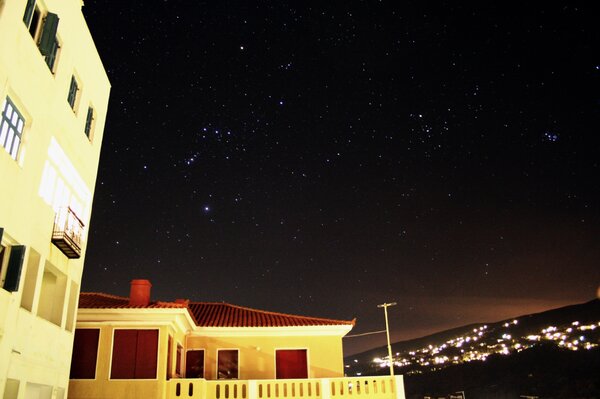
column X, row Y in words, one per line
column 399, row 386
column 252, row 389
column 325, row 388
column 203, row 389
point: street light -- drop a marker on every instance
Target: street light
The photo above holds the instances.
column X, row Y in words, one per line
column 387, row 332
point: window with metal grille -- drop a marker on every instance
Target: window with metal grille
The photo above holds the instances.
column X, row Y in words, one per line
column 11, row 128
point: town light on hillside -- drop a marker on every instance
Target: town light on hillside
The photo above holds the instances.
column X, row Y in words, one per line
column 387, row 332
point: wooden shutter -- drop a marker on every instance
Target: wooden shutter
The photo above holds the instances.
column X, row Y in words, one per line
column 85, row 353
column 291, row 363
column 15, row 265
column 48, row 38
column 135, row 353
column 124, row 354
column 147, row 354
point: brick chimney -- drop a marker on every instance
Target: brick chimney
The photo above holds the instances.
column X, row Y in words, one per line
column 139, row 294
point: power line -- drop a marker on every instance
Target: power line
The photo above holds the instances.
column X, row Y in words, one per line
column 363, row 334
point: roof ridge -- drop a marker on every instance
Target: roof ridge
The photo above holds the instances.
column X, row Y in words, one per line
column 177, row 304
column 270, row 312
column 105, row 295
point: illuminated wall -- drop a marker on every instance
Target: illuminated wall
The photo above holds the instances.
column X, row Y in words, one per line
column 93, row 375
column 53, row 102
column 101, row 381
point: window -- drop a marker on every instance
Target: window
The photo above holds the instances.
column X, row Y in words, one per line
column 85, row 353
column 11, row 264
column 194, row 364
column 291, row 363
column 227, row 364
column 73, row 93
column 31, row 18
column 11, row 128
column 135, row 353
column 43, row 31
column 178, row 360
column 89, row 121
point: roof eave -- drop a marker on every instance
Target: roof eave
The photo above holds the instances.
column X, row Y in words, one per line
column 320, row 330
column 137, row 316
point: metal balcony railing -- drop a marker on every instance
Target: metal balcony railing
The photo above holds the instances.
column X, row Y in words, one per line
column 68, row 233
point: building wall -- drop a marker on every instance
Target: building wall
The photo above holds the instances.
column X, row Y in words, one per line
column 102, row 386
column 257, row 354
column 256, row 357
column 37, row 320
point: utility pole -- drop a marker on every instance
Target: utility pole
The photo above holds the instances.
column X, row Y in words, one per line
column 387, row 332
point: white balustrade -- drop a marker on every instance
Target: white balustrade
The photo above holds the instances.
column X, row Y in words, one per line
column 312, row 388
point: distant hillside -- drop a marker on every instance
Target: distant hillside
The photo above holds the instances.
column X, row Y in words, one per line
column 586, row 313
column 552, row 354
column 574, row 328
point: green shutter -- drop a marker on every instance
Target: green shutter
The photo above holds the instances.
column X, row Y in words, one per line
column 51, row 57
column 49, row 34
column 15, row 265
column 1, row 232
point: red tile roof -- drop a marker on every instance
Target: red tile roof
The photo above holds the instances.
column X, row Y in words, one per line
column 210, row 314
column 226, row 315
column 98, row 300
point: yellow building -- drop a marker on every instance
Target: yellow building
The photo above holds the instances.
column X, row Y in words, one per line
column 53, row 102
column 130, row 347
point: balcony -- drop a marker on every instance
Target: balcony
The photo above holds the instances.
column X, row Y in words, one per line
column 68, row 233
column 312, row 388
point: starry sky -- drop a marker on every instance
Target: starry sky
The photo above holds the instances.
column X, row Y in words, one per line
column 320, row 158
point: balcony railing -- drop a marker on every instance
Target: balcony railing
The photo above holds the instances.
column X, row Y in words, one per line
column 313, row 388
column 68, row 233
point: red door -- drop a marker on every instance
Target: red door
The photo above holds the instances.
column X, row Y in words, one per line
column 291, row 363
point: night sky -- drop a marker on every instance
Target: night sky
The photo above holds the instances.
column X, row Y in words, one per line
column 320, row 158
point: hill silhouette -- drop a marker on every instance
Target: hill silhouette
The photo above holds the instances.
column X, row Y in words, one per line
column 551, row 354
